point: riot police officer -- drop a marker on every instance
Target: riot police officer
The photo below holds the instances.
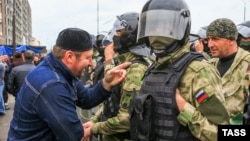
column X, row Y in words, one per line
column 161, row 112
column 244, row 35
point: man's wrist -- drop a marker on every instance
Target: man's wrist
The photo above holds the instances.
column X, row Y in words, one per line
column 106, row 85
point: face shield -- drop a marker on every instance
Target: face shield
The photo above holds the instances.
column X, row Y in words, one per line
column 109, row 37
column 120, row 24
column 244, row 31
column 165, row 23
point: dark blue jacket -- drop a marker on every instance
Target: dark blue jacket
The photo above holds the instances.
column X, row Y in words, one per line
column 45, row 108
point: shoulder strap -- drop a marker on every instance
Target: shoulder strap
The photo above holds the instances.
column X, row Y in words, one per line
column 185, row 60
column 179, row 66
column 141, row 61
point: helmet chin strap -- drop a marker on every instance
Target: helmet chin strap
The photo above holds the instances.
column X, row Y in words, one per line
column 168, row 49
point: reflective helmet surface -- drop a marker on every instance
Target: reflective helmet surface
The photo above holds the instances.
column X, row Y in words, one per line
column 127, row 21
column 244, row 29
column 202, row 32
column 166, row 18
column 108, row 38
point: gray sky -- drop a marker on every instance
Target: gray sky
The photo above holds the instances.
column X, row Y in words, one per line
column 49, row 17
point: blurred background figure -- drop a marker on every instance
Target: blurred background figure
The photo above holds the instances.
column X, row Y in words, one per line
column 2, row 72
column 36, row 59
column 18, row 59
column 18, row 73
column 201, row 44
column 244, row 35
column 100, row 58
column 8, row 66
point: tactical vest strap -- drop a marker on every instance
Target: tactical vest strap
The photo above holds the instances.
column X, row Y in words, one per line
column 185, row 60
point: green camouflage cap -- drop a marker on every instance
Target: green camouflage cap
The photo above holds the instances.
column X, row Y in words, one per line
column 223, row 28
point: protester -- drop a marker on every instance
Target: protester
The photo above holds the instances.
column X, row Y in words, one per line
column 45, row 107
column 194, row 110
column 231, row 62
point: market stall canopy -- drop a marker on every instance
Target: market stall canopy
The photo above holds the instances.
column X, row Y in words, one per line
column 5, row 49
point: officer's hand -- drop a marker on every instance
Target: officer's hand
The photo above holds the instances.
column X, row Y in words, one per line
column 115, row 75
column 179, row 100
column 86, row 128
column 198, row 46
column 109, row 52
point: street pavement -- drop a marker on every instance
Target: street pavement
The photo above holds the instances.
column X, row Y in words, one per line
column 5, row 119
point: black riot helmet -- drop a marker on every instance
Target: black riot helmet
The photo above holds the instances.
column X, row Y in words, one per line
column 126, row 23
column 166, row 18
column 99, row 39
column 98, row 44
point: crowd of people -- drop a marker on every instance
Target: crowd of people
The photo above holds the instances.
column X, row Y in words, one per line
column 15, row 68
column 147, row 79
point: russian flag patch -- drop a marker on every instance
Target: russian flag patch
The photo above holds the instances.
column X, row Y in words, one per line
column 201, row 96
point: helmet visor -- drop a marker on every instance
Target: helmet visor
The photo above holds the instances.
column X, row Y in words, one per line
column 109, row 37
column 166, row 23
column 120, row 24
column 244, row 31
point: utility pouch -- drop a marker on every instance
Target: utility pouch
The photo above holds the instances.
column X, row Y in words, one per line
column 141, row 118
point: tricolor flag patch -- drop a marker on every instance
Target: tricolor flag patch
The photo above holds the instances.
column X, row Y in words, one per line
column 201, row 96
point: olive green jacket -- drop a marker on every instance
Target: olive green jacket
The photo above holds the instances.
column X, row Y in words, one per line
column 233, row 85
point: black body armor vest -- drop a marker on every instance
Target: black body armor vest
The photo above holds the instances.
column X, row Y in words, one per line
column 153, row 112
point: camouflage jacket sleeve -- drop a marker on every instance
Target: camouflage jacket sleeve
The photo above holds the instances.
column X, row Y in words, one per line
column 97, row 115
column 246, row 82
column 205, row 108
column 131, row 85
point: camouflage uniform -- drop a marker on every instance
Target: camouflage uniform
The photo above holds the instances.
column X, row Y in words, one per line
column 232, row 80
column 88, row 77
column 233, row 86
column 199, row 75
column 120, row 123
column 246, row 83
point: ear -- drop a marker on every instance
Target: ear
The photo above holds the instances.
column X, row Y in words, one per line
column 69, row 58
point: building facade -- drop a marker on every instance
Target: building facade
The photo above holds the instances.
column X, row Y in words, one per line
column 15, row 22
